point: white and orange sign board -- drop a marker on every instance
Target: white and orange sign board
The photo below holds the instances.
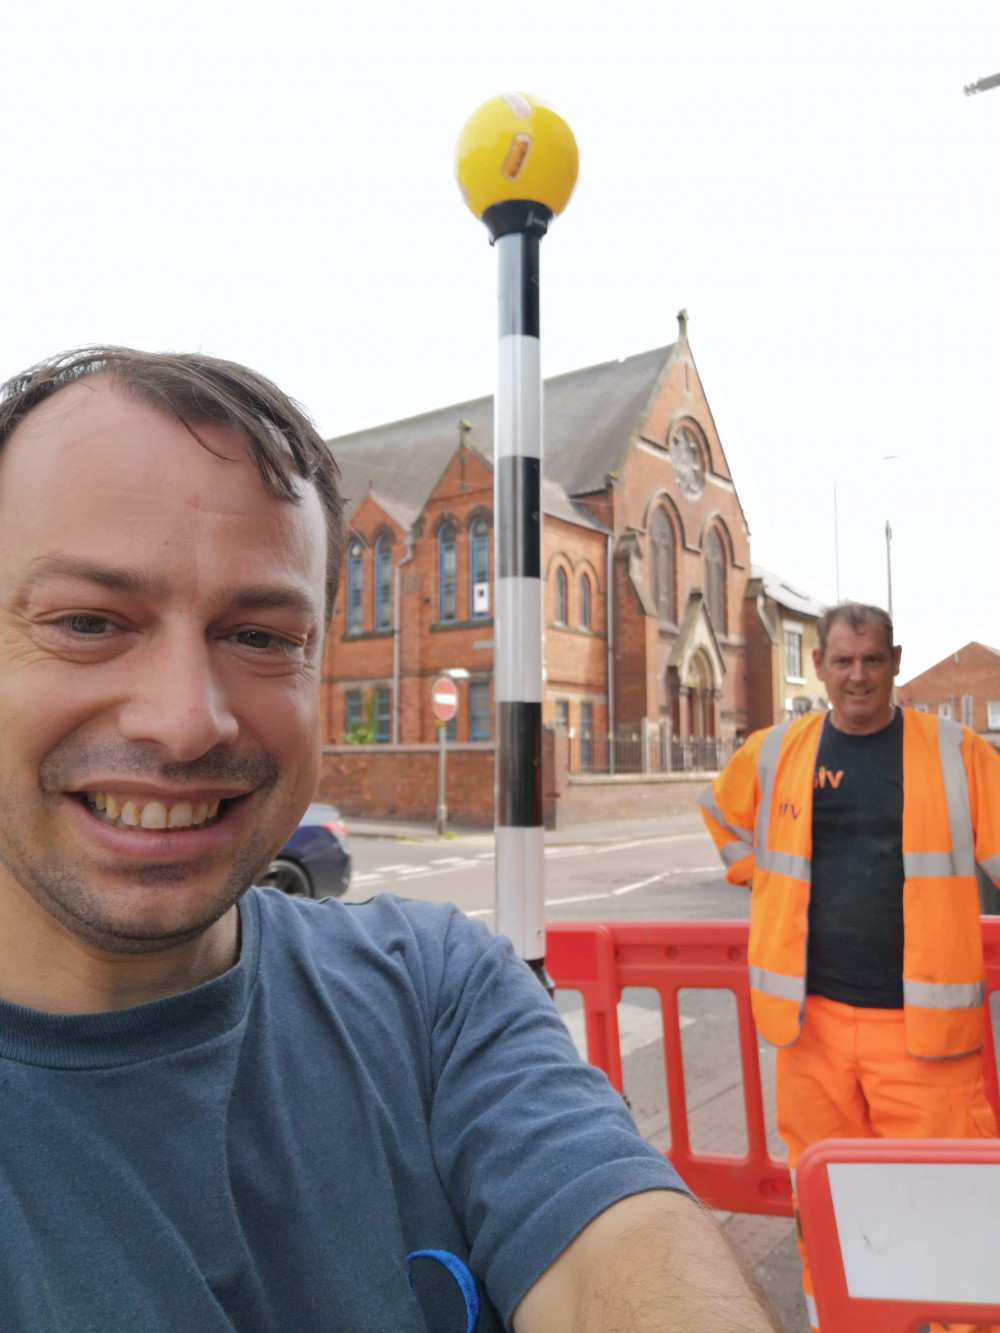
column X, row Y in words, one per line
column 898, row 1231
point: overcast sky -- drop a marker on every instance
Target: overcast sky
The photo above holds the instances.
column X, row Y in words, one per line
column 274, row 184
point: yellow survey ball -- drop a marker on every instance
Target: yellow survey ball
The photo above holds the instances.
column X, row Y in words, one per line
column 516, row 147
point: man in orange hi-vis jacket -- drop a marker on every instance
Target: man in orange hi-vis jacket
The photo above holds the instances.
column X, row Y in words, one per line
column 860, row 830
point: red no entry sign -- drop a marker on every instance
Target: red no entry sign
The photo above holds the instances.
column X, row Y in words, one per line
column 444, row 699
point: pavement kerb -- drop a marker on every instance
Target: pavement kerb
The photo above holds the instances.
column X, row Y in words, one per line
column 618, row 831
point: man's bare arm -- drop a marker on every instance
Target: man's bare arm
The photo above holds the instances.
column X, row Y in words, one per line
column 652, row 1263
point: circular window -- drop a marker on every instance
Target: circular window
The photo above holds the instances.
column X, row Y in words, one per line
column 688, row 461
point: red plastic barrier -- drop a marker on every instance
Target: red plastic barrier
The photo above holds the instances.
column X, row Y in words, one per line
column 902, row 1244
column 600, row 959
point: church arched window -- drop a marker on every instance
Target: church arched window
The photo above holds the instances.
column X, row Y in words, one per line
column 662, row 545
column 715, row 580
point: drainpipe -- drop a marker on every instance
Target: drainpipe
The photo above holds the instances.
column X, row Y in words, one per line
column 395, row 640
column 609, row 603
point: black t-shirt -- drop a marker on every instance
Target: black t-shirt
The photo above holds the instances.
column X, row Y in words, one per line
column 855, row 952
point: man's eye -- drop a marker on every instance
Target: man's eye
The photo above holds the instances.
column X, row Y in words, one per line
column 85, row 624
column 265, row 641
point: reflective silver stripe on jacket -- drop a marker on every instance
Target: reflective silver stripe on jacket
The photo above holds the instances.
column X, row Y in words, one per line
column 767, row 763
column 936, row 864
column 944, row 995
column 956, row 793
column 707, row 802
column 731, row 852
column 778, row 984
column 778, row 863
column 961, row 860
column 784, row 863
column 991, row 866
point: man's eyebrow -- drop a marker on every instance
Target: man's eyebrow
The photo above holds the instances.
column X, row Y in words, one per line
column 114, row 577
column 267, row 597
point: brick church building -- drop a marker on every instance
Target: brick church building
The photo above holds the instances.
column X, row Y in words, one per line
column 646, row 561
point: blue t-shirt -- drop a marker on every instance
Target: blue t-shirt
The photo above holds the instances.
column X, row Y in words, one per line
column 262, row 1153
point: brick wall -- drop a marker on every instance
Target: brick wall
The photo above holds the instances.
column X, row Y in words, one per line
column 974, row 669
column 592, row 800
column 576, row 656
column 763, row 703
column 647, row 480
column 401, row 782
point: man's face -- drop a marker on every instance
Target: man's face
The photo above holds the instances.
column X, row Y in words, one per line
column 858, row 670
column 161, row 626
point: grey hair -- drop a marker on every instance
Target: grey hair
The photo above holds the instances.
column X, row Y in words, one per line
column 858, row 615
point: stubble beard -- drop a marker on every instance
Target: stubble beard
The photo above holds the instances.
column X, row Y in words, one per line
column 91, row 913
column 95, row 912
column 100, row 910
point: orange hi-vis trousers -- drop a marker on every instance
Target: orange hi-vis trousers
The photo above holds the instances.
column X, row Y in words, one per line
column 849, row 1075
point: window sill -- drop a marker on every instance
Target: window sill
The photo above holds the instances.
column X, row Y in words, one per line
column 350, row 635
column 481, row 622
column 795, row 680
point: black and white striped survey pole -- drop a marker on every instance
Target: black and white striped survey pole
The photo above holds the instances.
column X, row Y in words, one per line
column 516, row 163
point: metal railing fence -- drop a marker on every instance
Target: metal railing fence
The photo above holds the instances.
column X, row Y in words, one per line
column 647, row 747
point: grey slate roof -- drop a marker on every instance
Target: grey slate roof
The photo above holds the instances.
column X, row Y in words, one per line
column 591, row 417
column 787, row 596
column 404, row 515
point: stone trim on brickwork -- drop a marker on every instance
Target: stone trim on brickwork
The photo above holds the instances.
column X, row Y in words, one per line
column 386, row 747
column 576, row 629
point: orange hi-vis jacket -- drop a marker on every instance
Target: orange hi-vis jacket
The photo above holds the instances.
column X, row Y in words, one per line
column 759, row 811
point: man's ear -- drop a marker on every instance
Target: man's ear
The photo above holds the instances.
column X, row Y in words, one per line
column 897, row 652
column 818, row 662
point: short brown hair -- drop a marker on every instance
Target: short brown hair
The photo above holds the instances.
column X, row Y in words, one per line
column 858, row 616
column 281, row 440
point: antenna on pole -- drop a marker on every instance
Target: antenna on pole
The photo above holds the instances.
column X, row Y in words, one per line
column 836, row 540
column 982, row 85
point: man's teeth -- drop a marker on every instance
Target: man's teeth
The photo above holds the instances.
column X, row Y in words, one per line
column 151, row 814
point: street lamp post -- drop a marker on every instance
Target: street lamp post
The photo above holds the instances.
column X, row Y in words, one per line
column 516, row 163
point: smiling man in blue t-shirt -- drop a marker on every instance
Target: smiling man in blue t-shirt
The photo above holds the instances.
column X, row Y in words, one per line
column 225, row 1109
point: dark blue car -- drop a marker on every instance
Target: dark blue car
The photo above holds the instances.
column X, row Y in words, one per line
column 315, row 862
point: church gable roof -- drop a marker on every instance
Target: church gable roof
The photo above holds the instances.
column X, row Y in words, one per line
column 591, row 416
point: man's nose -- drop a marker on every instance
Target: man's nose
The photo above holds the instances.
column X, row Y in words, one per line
column 177, row 700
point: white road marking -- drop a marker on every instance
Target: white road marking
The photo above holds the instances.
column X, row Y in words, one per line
column 650, row 842
column 639, row 884
column 666, row 874
column 637, row 1027
column 580, row 898
column 413, row 871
